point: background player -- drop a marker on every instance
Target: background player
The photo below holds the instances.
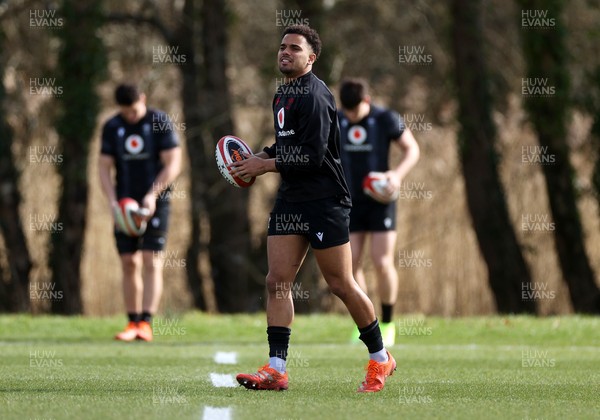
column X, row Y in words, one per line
column 144, row 152
column 306, row 154
column 367, row 131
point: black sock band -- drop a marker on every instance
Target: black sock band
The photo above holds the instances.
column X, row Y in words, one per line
column 133, row 317
column 371, row 336
column 386, row 313
column 279, row 339
column 146, row 316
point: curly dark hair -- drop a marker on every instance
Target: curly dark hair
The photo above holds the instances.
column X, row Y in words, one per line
column 312, row 37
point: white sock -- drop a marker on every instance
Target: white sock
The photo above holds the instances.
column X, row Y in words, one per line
column 380, row 357
column 277, row 363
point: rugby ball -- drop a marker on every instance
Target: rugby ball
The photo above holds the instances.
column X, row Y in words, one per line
column 374, row 185
column 229, row 149
column 129, row 217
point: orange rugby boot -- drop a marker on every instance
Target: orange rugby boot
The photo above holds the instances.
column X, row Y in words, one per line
column 376, row 375
column 129, row 334
column 144, row 331
column 266, row 378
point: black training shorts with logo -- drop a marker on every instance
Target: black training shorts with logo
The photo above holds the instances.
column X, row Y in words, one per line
column 324, row 222
column 371, row 216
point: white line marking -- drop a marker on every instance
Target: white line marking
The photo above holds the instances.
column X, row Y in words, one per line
column 221, row 380
column 217, row 413
column 226, row 358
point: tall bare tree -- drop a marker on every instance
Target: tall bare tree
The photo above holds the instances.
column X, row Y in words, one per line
column 507, row 270
column 546, row 58
column 81, row 65
column 13, row 293
column 227, row 207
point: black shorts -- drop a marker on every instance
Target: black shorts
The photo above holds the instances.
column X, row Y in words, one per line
column 323, row 222
column 372, row 217
column 155, row 237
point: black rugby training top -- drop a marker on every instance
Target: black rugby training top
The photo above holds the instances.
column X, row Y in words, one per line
column 136, row 149
column 366, row 146
column 307, row 142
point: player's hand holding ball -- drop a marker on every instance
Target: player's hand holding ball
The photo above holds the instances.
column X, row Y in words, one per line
column 149, row 205
column 232, row 154
column 394, row 182
column 379, row 187
column 130, row 218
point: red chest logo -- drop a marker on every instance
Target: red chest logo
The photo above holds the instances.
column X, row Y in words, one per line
column 281, row 118
column 357, row 135
column 134, row 144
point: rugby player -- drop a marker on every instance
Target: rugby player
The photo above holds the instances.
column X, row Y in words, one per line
column 367, row 133
column 313, row 189
column 140, row 147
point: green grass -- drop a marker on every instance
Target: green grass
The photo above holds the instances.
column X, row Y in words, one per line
column 511, row 367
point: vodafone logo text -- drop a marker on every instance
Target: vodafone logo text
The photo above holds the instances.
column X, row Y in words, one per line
column 286, row 133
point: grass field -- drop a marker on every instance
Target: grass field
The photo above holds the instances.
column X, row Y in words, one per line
column 511, row 367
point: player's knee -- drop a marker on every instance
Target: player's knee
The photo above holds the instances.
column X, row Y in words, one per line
column 129, row 263
column 340, row 288
column 275, row 281
column 382, row 263
column 150, row 260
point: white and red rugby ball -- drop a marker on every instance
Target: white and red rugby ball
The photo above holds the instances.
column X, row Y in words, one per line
column 374, row 185
column 129, row 217
column 229, row 149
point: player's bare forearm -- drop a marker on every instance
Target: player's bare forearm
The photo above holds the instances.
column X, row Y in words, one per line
column 410, row 154
column 171, row 160
column 105, row 166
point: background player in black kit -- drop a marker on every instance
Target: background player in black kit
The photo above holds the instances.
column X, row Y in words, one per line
column 367, row 132
column 313, row 192
column 146, row 158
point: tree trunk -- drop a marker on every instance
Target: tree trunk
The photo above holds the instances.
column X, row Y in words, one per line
column 15, row 296
column 546, row 54
column 229, row 246
column 207, row 110
column 186, row 34
column 81, row 64
column 508, row 273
